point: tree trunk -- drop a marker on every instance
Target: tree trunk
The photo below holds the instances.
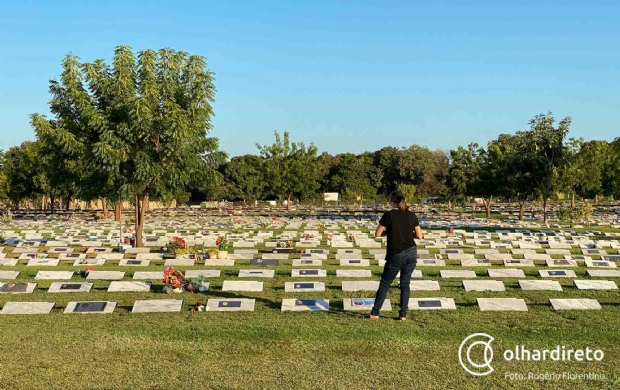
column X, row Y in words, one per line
column 52, row 203
column 596, row 199
column 572, row 200
column 544, row 209
column 68, row 203
column 141, row 206
column 288, row 202
column 487, row 206
column 117, row 211
column 104, row 205
column 521, row 210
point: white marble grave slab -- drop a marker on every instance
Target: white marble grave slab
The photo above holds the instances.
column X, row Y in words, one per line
column 600, row 264
column 557, row 273
column 483, row 285
column 595, row 284
column 424, row 285
column 129, row 286
column 233, row 304
column 551, row 285
column 43, row 262
column 359, row 304
column 205, row 273
column 353, row 273
column 148, row 275
column 307, row 263
column 30, row 287
column 54, row 275
column 236, row 285
column 8, row 262
column 506, row 273
column 71, row 306
column 27, row 308
column 575, row 304
column 180, row 262
column 366, row 285
column 56, row 287
column 257, row 273
column 157, row 305
column 219, row 262
column 476, row 263
column 561, row 263
column 105, row 275
column 305, row 304
column 457, row 274
column 304, row 286
column 501, row 304
column 354, row 262
column 8, row 275
column 308, row 273
column 432, row 304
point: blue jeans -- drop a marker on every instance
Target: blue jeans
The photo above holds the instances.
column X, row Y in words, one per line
column 403, row 262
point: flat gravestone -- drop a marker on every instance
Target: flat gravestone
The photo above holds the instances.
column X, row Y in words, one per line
column 8, row 275
column 179, row 262
column 483, row 285
column 17, row 288
column 134, row 262
column 256, row 273
column 308, row 273
column 265, row 262
column 562, row 263
column 307, row 263
column 219, row 262
column 354, row 263
column 537, row 285
column 603, row 273
column 518, row 263
column 360, row 285
column 356, row 304
column 596, row 284
column 431, row 263
column 235, row 285
column 54, row 275
column 432, row 304
column 127, row 286
column 105, row 275
column 43, row 262
column 424, row 285
column 304, row 286
column 475, row 263
column 8, row 262
column 60, row 287
column 89, row 262
column 506, row 273
column 157, row 305
column 205, row 273
column 560, row 273
column 600, row 264
column 103, row 307
column 27, row 308
column 575, row 304
column 148, row 275
column 501, row 304
column 305, row 305
column 236, row 304
column 353, row 273
column 457, row 274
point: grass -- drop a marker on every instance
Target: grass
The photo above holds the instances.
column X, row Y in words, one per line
column 269, row 349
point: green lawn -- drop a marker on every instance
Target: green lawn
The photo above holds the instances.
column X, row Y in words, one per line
column 268, row 349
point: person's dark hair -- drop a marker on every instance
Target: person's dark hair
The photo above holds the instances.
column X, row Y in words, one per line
column 398, row 198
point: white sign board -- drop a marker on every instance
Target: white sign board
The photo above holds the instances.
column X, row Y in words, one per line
column 331, row 196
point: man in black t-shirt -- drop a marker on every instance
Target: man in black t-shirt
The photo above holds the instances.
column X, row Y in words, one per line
column 399, row 225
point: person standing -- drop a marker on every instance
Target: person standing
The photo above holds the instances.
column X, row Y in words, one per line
column 400, row 226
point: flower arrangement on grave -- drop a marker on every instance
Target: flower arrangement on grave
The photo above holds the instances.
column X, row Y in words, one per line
column 197, row 307
column 351, row 237
column 212, row 253
column 329, row 237
column 308, row 236
column 222, row 247
column 285, row 244
column 174, row 281
column 264, row 225
column 175, row 245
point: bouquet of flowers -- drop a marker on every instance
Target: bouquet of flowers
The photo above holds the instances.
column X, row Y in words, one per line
column 174, row 280
column 351, row 237
column 222, row 243
column 308, row 236
column 329, row 237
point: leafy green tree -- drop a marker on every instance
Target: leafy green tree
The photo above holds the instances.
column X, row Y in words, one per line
column 387, row 161
column 463, row 172
column 355, row 177
column 290, row 168
column 244, row 177
column 545, row 144
column 611, row 175
column 408, row 191
column 141, row 123
column 24, row 174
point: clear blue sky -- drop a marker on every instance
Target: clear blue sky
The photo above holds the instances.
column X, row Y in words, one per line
column 350, row 76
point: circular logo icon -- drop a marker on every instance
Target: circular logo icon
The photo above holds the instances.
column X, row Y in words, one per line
column 474, row 364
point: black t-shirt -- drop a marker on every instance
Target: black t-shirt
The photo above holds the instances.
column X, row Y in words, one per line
column 400, row 229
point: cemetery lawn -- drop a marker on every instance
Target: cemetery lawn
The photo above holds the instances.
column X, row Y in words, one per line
column 268, row 349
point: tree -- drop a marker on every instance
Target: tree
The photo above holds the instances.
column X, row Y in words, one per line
column 355, row 177
column 611, row 176
column 516, row 179
column 290, row 167
column 244, row 177
column 23, row 173
column 462, row 173
column 142, row 123
column 387, row 160
column 408, row 191
column 545, row 145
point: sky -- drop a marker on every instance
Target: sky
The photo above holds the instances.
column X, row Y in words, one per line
column 350, row 76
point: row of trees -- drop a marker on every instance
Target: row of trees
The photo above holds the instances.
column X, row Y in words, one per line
column 137, row 130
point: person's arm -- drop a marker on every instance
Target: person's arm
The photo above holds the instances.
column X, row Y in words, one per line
column 418, row 233
column 380, row 232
